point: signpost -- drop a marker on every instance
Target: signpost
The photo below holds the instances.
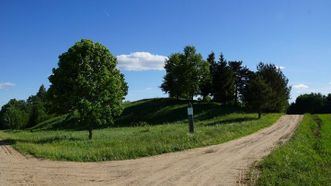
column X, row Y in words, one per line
column 190, row 118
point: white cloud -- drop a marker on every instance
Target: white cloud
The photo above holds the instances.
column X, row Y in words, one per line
column 140, row 61
column 300, row 86
column 6, row 85
column 280, row 67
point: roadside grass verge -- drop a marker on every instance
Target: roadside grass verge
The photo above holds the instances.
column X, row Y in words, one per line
column 133, row 142
column 305, row 159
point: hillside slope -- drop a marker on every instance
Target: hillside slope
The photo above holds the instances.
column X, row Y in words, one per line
column 167, row 110
column 148, row 111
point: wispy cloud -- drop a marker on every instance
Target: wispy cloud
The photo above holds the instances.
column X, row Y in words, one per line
column 300, row 86
column 6, row 85
column 141, row 61
column 280, row 67
column 107, row 13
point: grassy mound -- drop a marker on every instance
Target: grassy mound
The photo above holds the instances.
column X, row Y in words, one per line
column 147, row 112
column 167, row 110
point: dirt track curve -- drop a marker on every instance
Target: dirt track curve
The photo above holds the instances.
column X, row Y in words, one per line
column 222, row 164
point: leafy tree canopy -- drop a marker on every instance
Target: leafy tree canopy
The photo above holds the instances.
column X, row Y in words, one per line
column 88, row 82
column 311, row 103
column 14, row 114
column 185, row 72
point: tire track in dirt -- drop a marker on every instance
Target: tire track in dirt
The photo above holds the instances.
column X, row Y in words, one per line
column 224, row 164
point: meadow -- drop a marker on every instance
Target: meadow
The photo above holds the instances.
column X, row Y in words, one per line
column 142, row 135
column 305, row 159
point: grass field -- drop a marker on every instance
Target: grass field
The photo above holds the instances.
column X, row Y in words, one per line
column 305, row 160
column 214, row 125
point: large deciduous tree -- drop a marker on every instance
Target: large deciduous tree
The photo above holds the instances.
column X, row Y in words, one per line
column 88, row 82
column 184, row 74
column 171, row 81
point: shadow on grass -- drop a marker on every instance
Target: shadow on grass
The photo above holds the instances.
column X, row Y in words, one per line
column 7, row 142
column 168, row 110
column 229, row 121
column 146, row 112
column 40, row 141
column 64, row 122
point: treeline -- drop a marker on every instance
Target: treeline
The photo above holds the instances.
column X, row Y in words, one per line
column 18, row 114
column 311, row 103
column 228, row 82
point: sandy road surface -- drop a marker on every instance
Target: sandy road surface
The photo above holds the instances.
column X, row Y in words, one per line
column 213, row 165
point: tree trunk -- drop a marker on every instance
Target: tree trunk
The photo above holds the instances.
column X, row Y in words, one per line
column 90, row 133
column 236, row 96
column 260, row 115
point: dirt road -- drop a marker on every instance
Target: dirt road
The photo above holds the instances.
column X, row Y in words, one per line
column 222, row 164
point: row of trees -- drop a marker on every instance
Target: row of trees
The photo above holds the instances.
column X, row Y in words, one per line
column 18, row 114
column 311, row 103
column 228, row 82
column 86, row 84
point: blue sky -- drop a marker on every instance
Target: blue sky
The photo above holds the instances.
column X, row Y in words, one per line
column 292, row 34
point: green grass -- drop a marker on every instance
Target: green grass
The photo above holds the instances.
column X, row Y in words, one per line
column 133, row 142
column 167, row 110
column 148, row 111
column 305, row 159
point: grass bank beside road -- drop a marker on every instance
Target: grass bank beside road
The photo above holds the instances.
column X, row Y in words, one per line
column 133, row 142
column 305, row 159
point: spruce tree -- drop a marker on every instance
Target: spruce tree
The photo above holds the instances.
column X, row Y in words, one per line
column 223, row 81
column 257, row 95
column 241, row 76
column 278, row 82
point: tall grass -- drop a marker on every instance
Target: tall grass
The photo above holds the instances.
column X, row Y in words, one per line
column 305, row 159
column 133, row 142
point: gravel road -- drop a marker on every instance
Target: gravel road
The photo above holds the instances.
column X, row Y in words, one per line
column 224, row 164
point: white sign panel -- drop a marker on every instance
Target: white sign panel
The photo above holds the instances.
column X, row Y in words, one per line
column 189, row 111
